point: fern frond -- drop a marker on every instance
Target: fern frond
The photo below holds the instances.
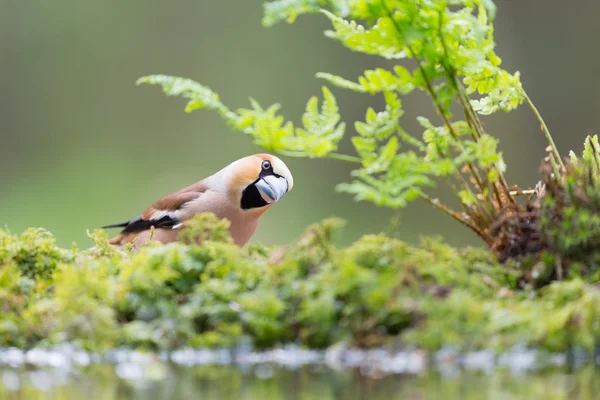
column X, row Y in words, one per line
column 288, row 10
column 375, row 81
column 380, row 40
column 199, row 96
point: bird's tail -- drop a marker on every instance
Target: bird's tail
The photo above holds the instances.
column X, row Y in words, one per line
column 121, row 225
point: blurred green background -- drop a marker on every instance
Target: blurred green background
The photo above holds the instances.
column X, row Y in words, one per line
column 82, row 146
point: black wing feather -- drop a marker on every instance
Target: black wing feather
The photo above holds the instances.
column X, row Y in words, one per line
column 138, row 224
column 121, row 225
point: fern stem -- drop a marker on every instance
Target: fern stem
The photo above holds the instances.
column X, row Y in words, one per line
column 555, row 167
column 343, row 157
column 288, row 153
column 443, row 115
column 483, row 213
column 436, row 101
column 453, row 214
column 470, row 114
column 545, row 130
column 333, row 156
column 475, row 123
column 526, row 192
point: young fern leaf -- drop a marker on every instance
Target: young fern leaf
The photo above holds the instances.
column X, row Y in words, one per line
column 377, row 128
column 573, row 158
column 321, row 130
column 380, row 40
column 591, row 147
column 266, row 128
column 318, row 137
column 199, row 96
column 590, row 156
column 505, row 94
column 399, row 184
column 387, row 178
column 288, row 10
column 375, row 81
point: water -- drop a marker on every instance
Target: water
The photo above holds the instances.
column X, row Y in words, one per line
column 258, row 382
column 135, row 376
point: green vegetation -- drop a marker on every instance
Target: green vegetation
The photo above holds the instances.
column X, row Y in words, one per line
column 537, row 285
column 451, row 45
column 311, row 292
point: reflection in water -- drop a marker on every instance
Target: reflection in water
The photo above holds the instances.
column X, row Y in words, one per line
column 268, row 381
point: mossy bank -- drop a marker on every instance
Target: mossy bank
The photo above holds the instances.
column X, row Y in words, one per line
column 375, row 292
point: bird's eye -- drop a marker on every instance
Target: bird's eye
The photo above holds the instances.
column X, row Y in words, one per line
column 266, row 164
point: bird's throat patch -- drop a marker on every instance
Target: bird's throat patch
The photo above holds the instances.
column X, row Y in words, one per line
column 251, row 198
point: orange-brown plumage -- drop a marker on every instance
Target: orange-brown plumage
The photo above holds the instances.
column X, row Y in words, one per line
column 241, row 192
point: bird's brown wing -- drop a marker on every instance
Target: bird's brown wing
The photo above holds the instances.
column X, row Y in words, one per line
column 162, row 214
column 168, row 204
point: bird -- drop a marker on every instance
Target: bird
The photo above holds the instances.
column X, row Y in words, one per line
column 240, row 192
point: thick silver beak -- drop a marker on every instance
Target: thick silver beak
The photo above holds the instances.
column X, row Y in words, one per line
column 271, row 188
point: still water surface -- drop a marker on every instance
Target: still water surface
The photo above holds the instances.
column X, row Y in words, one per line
column 264, row 381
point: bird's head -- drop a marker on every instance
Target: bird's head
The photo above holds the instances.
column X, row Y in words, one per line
column 258, row 181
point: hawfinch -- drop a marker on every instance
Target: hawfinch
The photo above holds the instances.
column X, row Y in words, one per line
column 241, row 192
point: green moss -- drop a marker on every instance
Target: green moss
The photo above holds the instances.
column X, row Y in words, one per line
column 34, row 251
column 310, row 292
column 570, row 215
